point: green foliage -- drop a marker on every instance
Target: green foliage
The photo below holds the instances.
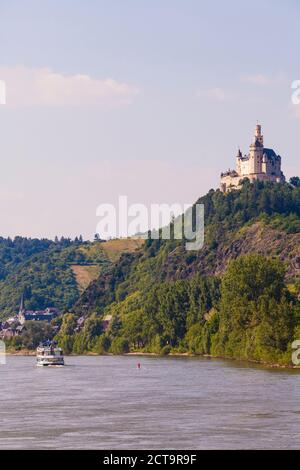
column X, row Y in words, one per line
column 66, row 342
column 86, row 338
column 252, row 317
column 33, row 333
column 102, row 344
column 66, row 335
column 198, row 337
column 196, row 340
column 68, row 324
column 39, row 269
column 257, row 313
column 295, row 181
column 165, row 351
column 161, row 298
column 80, row 344
column 167, row 260
column 42, row 270
column 159, row 318
column 286, row 223
column 104, row 291
column 119, row 345
column 92, row 327
column 238, row 207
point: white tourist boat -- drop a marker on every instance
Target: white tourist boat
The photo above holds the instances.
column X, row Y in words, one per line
column 48, row 354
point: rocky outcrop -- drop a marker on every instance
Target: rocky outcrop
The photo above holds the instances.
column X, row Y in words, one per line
column 256, row 238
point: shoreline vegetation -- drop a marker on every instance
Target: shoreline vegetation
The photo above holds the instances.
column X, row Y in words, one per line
column 237, row 298
column 29, row 353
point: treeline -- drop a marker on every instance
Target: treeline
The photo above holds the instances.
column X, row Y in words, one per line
column 46, row 279
column 225, row 214
column 159, row 299
column 151, row 319
column 259, row 318
column 15, row 251
column 41, row 270
column 249, row 314
column 253, row 200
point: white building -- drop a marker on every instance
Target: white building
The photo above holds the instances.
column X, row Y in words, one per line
column 261, row 164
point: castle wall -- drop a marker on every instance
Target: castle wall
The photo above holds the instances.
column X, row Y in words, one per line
column 244, row 168
column 230, row 182
column 234, row 182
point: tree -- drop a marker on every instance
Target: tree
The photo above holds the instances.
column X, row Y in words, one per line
column 257, row 314
column 34, row 332
column 119, row 346
column 65, row 336
column 102, row 344
column 295, row 181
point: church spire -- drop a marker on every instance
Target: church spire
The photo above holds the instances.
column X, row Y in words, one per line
column 22, row 304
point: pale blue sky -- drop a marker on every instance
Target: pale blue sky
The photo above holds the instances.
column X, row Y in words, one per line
column 188, row 81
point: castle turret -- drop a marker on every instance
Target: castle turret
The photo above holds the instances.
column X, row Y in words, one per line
column 256, row 152
column 258, row 135
column 238, row 162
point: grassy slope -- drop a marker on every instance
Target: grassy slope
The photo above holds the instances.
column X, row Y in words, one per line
column 84, row 275
column 115, row 248
column 105, row 253
column 58, row 275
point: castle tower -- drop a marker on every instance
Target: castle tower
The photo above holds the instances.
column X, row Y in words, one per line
column 238, row 162
column 258, row 135
column 256, row 152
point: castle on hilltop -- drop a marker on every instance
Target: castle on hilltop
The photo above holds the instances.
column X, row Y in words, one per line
column 260, row 164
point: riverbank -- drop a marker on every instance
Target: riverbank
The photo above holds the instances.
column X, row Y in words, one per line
column 208, row 356
column 22, row 352
column 26, row 352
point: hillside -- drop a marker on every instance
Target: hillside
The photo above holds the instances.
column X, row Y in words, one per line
column 163, row 298
column 99, row 256
column 236, row 297
column 261, row 218
column 52, row 273
column 259, row 236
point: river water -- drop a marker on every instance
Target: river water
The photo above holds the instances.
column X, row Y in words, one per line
column 170, row 403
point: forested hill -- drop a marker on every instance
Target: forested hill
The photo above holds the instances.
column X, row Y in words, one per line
column 52, row 273
column 261, row 218
column 235, row 297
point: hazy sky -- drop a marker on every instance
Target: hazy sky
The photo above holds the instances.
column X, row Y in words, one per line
column 145, row 98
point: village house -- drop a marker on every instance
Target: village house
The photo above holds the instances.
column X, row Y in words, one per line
column 35, row 315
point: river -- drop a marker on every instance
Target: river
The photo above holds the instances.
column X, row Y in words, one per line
column 170, row 403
